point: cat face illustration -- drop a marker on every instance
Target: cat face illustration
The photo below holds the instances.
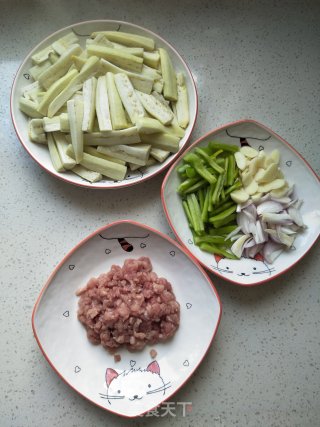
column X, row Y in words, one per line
column 133, row 385
column 247, row 267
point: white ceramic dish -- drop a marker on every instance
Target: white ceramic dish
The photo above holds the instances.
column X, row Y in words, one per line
column 83, row 29
column 295, row 169
column 85, row 367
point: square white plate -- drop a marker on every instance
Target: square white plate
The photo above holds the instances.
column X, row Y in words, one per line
column 296, row 170
column 86, row 367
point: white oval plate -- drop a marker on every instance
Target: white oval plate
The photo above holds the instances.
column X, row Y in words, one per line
column 83, row 30
column 86, row 367
column 295, row 169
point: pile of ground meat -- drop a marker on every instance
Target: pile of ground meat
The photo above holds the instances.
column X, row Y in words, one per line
column 129, row 306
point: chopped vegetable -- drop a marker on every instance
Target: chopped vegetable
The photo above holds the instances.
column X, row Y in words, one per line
column 169, row 77
column 149, row 125
column 204, row 197
column 102, row 105
column 102, row 96
column 105, row 167
column 129, row 97
column 155, row 108
column 152, row 59
column 36, row 132
column 86, row 174
column 113, row 137
column 159, row 154
column 51, row 125
column 164, row 141
column 59, row 68
column 137, row 153
column 54, row 154
column 54, row 91
column 75, row 113
column 94, row 152
column 118, row 116
column 30, row 108
column 38, row 69
column 265, row 213
column 139, row 82
column 128, row 39
column 89, row 104
column 62, row 145
column 117, row 56
column 61, row 45
column 182, row 106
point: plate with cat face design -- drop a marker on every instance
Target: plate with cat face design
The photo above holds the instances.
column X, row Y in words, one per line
column 249, row 272
column 138, row 382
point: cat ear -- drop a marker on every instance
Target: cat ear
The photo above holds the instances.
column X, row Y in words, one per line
column 259, row 257
column 111, row 374
column 218, row 258
column 154, row 367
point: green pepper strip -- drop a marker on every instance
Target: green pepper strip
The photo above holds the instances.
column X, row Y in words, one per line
column 226, row 168
column 204, row 214
column 182, row 169
column 188, row 214
column 222, row 231
column 195, row 213
column 212, row 188
column 190, row 171
column 201, row 198
column 217, row 190
column 223, row 207
column 196, row 162
column 215, row 250
column 233, row 187
column 220, row 161
column 216, row 154
column 231, row 170
column 223, row 201
column 185, row 185
column 225, row 147
column 208, row 159
column 224, row 221
column 223, row 214
column 196, row 186
column 220, row 240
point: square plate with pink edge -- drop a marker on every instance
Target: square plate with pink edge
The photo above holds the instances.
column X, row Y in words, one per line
column 296, row 170
column 91, row 370
column 40, row 153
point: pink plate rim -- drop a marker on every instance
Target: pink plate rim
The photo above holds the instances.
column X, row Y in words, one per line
column 83, row 241
column 173, row 166
column 126, row 183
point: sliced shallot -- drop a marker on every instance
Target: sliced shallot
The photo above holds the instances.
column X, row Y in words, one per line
column 296, row 216
column 237, row 247
column 243, row 222
column 269, row 206
column 233, row 233
column 271, row 251
column 254, row 250
column 284, row 238
column 277, row 218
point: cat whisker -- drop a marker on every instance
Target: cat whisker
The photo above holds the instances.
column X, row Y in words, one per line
column 264, row 271
column 158, row 390
column 162, row 386
column 221, row 270
column 105, row 396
